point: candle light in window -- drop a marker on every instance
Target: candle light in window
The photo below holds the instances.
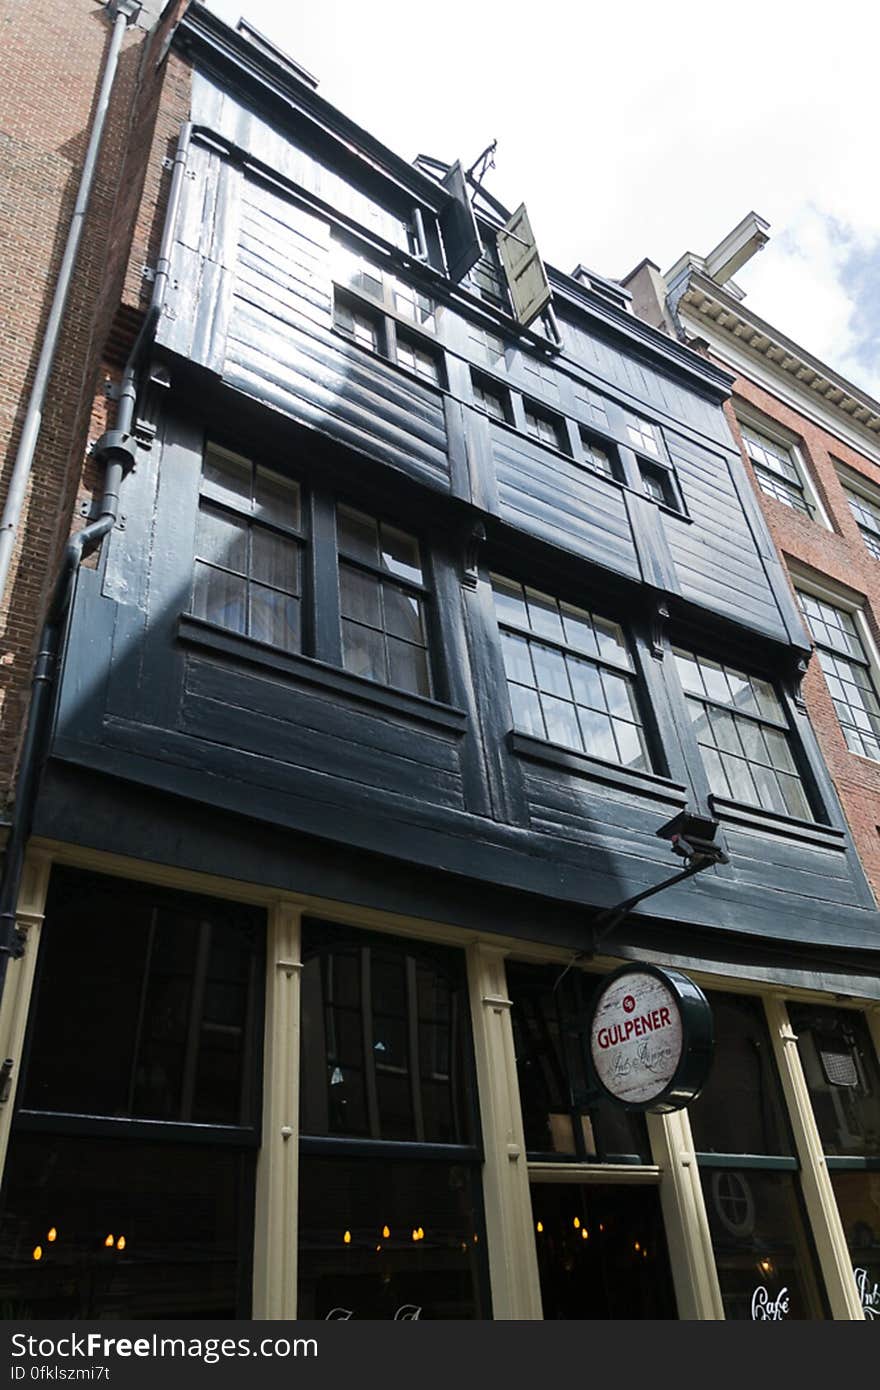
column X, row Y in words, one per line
column 636, row 1247
column 385, row 1232
column 576, row 1223
column 51, row 1234
column 110, row 1241
column 415, row 1234
column 346, row 1239
column 120, row 1243
column 540, row 1228
column 585, row 1235
column 38, row 1252
column 765, row 1266
column 378, row 1248
column 421, row 1233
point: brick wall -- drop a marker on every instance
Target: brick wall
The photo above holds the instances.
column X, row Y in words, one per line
column 841, row 555
column 53, row 62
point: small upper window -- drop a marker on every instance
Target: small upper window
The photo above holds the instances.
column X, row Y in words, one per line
column 599, row 456
column 643, row 436
column 743, row 735
column 412, row 304
column 356, row 323
column 543, row 376
column 867, row 516
column 248, row 550
column 570, row 675
column 487, row 347
column 382, row 603
column 847, row 670
column 546, row 428
column 593, row 404
column 490, row 397
column 777, row 471
column 418, row 358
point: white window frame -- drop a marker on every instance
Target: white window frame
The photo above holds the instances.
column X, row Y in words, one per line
column 860, row 486
column 784, row 439
column 852, row 602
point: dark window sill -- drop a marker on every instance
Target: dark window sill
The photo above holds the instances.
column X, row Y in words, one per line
column 597, row 770
column 780, row 1163
column 196, row 632
column 737, row 813
column 111, row 1127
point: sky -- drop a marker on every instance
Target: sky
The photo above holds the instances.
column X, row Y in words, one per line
column 635, row 129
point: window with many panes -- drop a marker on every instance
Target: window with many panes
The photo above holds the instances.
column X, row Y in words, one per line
column 570, row 675
column 847, row 671
column 248, row 551
column 776, row 470
column 743, row 735
column 489, row 396
column 642, row 436
column 355, row 272
column 382, row 596
column 546, row 428
column 867, row 517
column 418, row 358
column 602, row 456
column 358, row 324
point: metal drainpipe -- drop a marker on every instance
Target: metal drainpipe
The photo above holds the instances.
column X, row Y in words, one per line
column 24, row 458
column 117, row 449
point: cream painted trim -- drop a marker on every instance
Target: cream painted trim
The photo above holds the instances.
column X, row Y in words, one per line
column 760, row 424
column 513, row 1261
column 831, row 1247
column 851, row 480
column 697, row 1290
column 275, row 1225
column 18, row 989
column 589, row 1174
column 744, row 363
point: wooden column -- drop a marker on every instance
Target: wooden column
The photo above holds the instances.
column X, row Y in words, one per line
column 691, row 1256
column 17, row 992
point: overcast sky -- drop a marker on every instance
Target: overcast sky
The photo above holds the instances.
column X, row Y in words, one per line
column 635, row 129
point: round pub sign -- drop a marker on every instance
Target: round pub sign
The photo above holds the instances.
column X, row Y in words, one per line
column 650, row 1038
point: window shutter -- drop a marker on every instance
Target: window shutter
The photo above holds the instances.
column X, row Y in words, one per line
column 527, row 278
column 459, row 226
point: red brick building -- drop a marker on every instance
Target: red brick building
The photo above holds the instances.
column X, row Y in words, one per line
column 55, row 62
column 811, row 444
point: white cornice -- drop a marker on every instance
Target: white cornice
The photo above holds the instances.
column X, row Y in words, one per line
column 750, row 347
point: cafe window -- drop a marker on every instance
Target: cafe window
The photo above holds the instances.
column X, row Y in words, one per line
column 565, row 1117
column 750, row 1174
column 129, row 1189
column 843, row 1075
column 391, row 1221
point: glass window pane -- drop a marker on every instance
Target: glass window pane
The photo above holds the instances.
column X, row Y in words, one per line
column 843, row 1075
column 549, row 664
column 619, row 696
column 716, row 681
column 598, row 735
column 359, row 596
column 220, row 598
column 439, row 1275
column 400, row 553
column 517, row 661
column 408, row 667
column 357, row 534
column 631, row 746
column 363, row 651
column 561, row 721
column 766, row 1265
column 403, row 613
column 718, row 783
column 741, row 1108
column 739, row 778
column 586, row 683
column 795, row 797
column 544, row 615
column 612, row 644
column 579, row 629
column 274, row 560
column 688, row 671
column 228, row 478
column 276, row 498
column 173, row 1210
column 525, row 707
column 768, row 704
column 221, row 539
column 857, row 1201
column 510, row 605
column 275, row 618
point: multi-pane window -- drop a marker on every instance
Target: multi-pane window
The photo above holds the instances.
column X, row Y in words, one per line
column 655, row 483
column 248, row 550
column 413, row 304
column 542, row 374
column 847, row 670
column 489, row 396
column 417, row 358
column 486, row 346
column 743, row 736
column 569, row 674
column 597, row 456
column 356, row 273
column 642, row 435
column 867, row 515
column 382, row 598
column 593, row 404
column 362, row 327
column 548, row 429
column 777, row 473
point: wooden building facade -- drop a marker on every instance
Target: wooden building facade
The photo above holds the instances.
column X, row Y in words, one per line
column 417, row 623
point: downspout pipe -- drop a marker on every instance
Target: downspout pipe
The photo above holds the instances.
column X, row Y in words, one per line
column 21, row 470
column 116, row 449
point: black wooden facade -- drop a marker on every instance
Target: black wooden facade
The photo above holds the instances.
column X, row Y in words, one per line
column 311, row 328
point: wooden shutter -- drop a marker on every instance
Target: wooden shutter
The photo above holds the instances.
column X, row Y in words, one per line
column 526, row 276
